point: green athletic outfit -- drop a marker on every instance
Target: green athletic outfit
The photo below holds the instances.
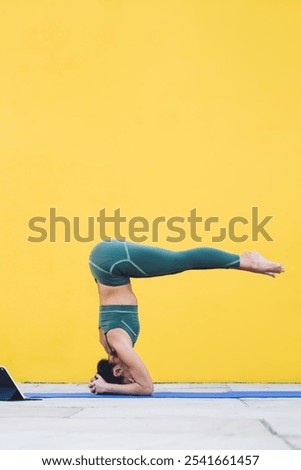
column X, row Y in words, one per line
column 114, row 262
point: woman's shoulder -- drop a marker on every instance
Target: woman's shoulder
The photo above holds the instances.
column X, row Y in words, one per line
column 118, row 337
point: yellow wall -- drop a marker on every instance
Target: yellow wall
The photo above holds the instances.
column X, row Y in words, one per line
column 155, row 107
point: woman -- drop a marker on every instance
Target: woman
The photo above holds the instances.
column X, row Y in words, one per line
column 112, row 264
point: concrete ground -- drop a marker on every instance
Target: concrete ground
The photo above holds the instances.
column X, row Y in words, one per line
column 135, row 424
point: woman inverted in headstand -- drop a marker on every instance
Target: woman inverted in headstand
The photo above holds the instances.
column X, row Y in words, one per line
column 112, row 264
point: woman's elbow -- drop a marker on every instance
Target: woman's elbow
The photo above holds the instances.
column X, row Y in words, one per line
column 148, row 389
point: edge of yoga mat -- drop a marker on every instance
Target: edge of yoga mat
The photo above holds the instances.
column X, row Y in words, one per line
column 230, row 394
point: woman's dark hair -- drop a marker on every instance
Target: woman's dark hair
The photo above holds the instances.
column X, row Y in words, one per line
column 105, row 369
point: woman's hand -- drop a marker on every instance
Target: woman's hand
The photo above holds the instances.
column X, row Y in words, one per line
column 97, row 385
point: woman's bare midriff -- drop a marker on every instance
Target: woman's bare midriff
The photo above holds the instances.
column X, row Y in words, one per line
column 116, row 295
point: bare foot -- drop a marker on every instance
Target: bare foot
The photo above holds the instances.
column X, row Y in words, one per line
column 254, row 262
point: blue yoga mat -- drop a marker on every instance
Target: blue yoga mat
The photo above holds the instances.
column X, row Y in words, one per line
column 230, row 394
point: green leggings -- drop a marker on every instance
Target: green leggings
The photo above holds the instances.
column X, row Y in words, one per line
column 114, row 262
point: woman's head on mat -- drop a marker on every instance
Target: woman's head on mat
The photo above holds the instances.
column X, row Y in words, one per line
column 114, row 371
